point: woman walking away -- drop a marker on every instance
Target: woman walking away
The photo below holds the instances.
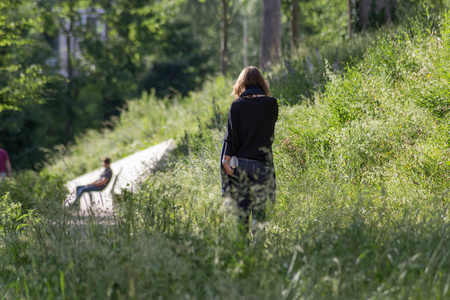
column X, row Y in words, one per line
column 249, row 138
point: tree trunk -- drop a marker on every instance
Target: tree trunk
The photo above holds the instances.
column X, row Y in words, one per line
column 270, row 33
column 224, row 51
column 294, row 25
column 364, row 10
column 224, row 38
column 375, row 13
column 70, row 114
column 388, row 6
column 245, row 41
column 349, row 20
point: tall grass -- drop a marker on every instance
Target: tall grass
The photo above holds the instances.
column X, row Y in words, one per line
column 301, row 74
column 361, row 210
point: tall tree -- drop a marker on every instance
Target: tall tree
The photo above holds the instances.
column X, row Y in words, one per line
column 270, row 33
column 225, row 19
column 67, row 25
column 225, row 11
column 24, row 80
column 349, row 18
column 294, row 23
column 21, row 77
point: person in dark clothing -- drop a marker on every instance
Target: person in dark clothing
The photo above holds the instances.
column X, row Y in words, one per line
column 5, row 164
column 96, row 186
column 249, row 137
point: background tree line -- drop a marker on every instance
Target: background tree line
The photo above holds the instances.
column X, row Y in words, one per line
column 115, row 50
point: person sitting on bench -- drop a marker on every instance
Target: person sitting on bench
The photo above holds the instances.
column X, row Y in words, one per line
column 96, row 186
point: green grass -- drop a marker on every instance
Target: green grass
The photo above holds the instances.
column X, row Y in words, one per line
column 361, row 210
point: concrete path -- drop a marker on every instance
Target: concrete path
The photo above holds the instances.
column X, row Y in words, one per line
column 126, row 174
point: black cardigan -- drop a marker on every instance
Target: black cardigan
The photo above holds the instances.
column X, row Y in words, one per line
column 251, row 128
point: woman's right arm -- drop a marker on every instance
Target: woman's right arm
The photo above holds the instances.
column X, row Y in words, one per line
column 228, row 146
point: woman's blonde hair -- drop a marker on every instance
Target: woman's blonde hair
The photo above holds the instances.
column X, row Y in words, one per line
column 250, row 76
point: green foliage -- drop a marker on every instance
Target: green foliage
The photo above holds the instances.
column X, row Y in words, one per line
column 302, row 74
column 104, row 71
column 12, row 218
column 32, row 190
column 23, row 80
column 184, row 65
column 325, row 21
column 38, row 117
column 15, row 225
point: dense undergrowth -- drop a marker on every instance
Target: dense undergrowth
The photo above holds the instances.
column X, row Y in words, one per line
column 361, row 210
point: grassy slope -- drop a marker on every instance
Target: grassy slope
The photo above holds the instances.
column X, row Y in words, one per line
column 143, row 123
column 361, row 211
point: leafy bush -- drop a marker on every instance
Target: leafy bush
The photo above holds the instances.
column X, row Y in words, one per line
column 34, row 191
column 12, row 219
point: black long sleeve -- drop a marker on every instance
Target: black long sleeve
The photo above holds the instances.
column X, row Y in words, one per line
column 251, row 128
